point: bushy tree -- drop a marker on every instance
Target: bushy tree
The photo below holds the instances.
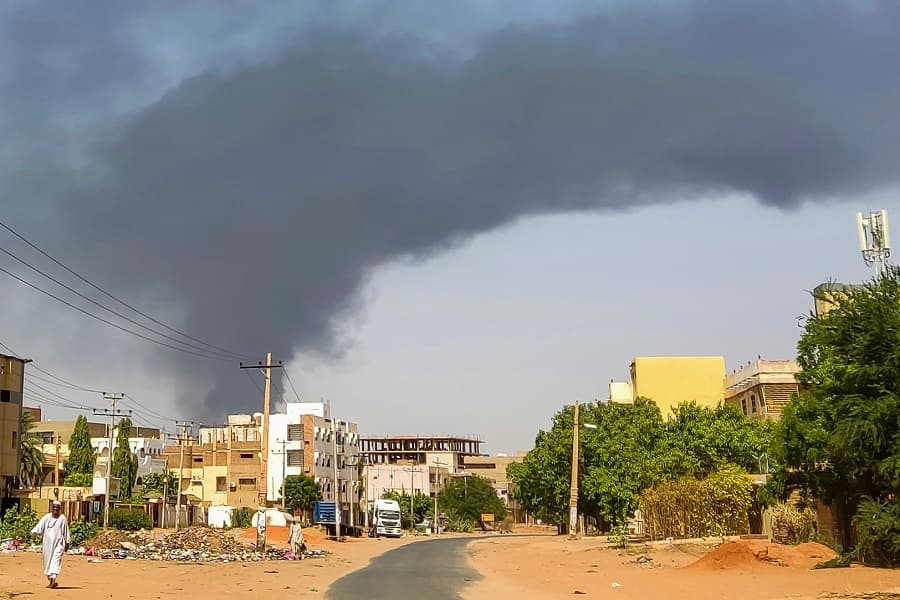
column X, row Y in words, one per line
column 31, row 462
column 80, row 465
column 469, row 498
column 301, row 492
column 160, row 482
column 422, row 505
column 124, row 462
column 839, row 440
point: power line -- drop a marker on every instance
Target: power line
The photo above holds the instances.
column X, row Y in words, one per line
column 254, row 382
column 288, row 376
column 76, row 388
column 111, row 311
column 132, row 401
column 102, row 320
column 111, row 296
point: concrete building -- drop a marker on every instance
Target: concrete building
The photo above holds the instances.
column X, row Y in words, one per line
column 421, row 479
column 450, row 452
column 762, row 388
column 826, row 294
column 673, row 380
column 12, row 380
column 493, row 468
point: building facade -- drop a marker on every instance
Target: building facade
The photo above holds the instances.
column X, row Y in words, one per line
column 493, row 468
column 12, row 380
column 672, row 380
column 449, row 452
column 762, row 388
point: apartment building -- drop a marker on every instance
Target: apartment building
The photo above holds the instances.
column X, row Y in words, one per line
column 763, row 387
column 12, row 380
column 672, row 380
column 443, row 451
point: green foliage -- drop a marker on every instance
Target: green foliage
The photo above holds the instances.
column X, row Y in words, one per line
column 690, row 507
column 31, row 462
column 160, row 482
column 242, row 518
column 81, row 531
column 79, row 479
column 129, row 520
column 631, row 449
column 878, row 531
column 471, row 497
column 839, row 440
column 17, row 524
column 301, row 492
column 421, row 505
column 618, row 536
column 841, row 561
column 82, row 457
column 460, row 525
column 792, row 524
column 124, row 463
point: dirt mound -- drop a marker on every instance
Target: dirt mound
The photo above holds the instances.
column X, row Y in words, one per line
column 753, row 553
column 203, row 539
column 112, row 539
column 730, row 555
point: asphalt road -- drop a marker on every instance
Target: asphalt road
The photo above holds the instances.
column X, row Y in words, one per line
column 434, row 569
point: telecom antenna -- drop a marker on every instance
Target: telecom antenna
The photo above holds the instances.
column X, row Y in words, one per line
column 874, row 240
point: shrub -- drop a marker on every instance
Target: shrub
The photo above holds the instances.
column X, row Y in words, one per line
column 460, row 525
column 81, row 531
column 618, row 536
column 242, row 517
column 792, row 524
column 17, row 524
column 690, row 507
column 878, row 532
column 129, row 520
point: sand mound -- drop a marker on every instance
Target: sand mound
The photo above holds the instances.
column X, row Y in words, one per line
column 753, row 553
column 730, row 555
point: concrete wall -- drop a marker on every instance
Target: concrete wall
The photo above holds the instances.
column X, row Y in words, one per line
column 672, row 380
column 12, row 378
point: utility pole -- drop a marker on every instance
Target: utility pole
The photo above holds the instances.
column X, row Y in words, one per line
column 262, row 482
column 283, row 469
column 573, row 490
column 182, row 437
column 112, row 413
column 438, row 463
column 337, row 489
column 56, row 466
column 165, row 498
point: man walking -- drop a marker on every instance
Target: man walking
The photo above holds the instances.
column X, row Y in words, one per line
column 54, row 529
column 296, row 539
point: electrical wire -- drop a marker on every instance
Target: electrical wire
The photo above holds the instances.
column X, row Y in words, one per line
column 102, row 320
column 288, row 377
column 112, row 297
column 116, row 313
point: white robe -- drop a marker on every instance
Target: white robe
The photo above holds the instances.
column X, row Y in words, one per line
column 55, row 538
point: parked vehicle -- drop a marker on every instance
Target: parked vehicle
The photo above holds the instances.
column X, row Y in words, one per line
column 386, row 519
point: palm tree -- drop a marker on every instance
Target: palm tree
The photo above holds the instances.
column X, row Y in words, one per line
column 31, row 465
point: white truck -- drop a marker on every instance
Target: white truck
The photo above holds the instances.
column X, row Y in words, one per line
column 386, row 519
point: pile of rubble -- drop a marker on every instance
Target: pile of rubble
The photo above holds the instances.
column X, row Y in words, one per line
column 194, row 544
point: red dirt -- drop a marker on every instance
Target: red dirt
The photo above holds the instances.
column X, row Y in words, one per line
column 730, row 555
column 753, row 553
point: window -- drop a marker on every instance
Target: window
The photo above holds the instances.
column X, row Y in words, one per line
column 247, row 455
column 47, row 437
column 5, row 396
column 295, row 433
column 221, row 485
column 247, row 482
column 14, row 433
column 197, row 459
column 295, row 458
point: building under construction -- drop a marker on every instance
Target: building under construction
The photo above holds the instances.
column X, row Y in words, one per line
column 445, row 451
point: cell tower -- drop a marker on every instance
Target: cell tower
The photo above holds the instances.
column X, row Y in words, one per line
column 874, row 240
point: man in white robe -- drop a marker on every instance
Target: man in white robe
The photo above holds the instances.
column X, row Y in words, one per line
column 54, row 531
column 296, row 539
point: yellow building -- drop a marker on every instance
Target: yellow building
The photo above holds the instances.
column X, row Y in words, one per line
column 673, row 380
column 12, row 379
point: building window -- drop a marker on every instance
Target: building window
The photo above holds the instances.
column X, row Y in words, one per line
column 295, row 458
column 295, row 433
column 197, row 459
column 247, row 455
column 47, row 437
column 221, row 485
column 5, row 396
column 247, row 482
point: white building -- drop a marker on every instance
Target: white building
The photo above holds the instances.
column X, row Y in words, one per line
column 149, row 452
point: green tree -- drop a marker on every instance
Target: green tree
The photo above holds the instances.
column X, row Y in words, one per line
column 839, row 440
column 160, row 482
column 82, row 457
column 31, row 463
column 301, row 492
column 124, row 463
column 422, row 505
column 470, row 497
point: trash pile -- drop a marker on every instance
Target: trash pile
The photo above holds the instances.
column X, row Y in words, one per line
column 194, row 544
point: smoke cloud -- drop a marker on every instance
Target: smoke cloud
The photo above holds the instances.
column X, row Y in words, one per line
column 260, row 198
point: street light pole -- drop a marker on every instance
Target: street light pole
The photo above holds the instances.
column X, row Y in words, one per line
column 573, row 488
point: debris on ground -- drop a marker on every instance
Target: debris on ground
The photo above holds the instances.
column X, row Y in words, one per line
column 193, row 544
column 645, row 561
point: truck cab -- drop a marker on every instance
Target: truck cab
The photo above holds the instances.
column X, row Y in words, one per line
column 386, row 519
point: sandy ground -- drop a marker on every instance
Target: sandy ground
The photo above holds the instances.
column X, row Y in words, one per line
column 553, row 567
column 21, row 575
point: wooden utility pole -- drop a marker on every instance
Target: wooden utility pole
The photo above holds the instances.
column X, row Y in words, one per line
column 182, row 437
column 112, row 413
column 262, row 483
column 573, row 490
column 438, row 463
column 283, row 469
column 56, row 465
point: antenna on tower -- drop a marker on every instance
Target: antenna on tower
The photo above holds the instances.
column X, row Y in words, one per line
column 874, row 240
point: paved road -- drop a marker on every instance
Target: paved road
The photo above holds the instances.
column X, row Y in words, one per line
column 434, row 569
